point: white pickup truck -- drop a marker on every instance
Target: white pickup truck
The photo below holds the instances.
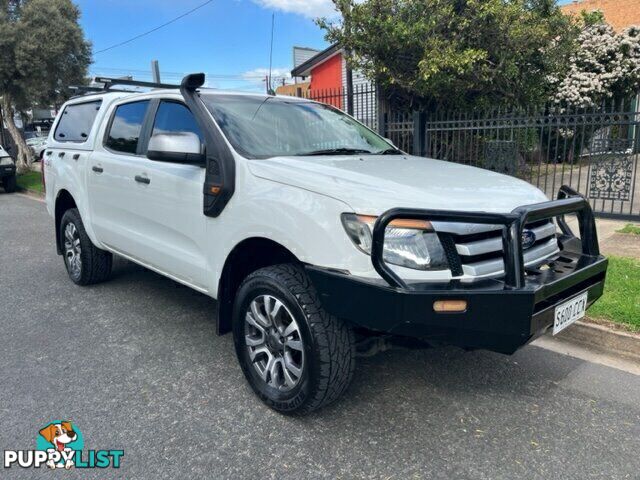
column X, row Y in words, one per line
column 316, row 235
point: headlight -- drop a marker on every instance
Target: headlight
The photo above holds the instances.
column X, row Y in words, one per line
column 6, row 161
column 407, row 243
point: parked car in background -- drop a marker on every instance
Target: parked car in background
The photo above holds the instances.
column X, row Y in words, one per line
column 315, row 234
column 37, row 142
column 7, row 171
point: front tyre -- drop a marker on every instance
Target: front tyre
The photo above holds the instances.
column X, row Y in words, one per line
column 10, row 184
column 86, row 264
column 296, row 357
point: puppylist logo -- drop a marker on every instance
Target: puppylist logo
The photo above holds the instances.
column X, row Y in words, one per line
column 60, row 445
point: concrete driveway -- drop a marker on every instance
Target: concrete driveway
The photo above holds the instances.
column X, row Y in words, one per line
column 136, row 365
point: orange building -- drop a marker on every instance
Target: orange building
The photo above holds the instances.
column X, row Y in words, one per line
column 620, row 14
column 326, row 71
column 332, row 82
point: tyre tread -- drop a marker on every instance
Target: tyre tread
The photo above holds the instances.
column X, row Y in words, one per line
column 10, row 184
column 96, row 263
column 334, row 340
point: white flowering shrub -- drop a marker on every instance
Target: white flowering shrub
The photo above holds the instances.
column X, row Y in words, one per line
column 606, row 65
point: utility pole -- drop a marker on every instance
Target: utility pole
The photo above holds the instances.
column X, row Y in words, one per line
column 155, row 70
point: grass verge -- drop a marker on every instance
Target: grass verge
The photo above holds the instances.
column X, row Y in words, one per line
column 630, row 228
column 31, row 181
column 621, row 300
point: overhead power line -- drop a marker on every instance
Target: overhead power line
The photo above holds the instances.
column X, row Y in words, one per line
column 106, row 71
column 155, row 29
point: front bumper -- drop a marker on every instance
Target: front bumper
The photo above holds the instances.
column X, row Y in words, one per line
column 502, row 314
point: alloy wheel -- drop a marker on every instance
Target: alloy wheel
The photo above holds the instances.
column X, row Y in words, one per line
column 274, row 343
column 72, row 250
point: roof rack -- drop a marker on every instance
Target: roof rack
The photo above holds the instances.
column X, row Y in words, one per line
column 110, row 82
column 82, row 89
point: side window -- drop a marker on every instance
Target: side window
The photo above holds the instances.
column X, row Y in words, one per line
column 126, row 126
column 173, row 117
column 76, row 122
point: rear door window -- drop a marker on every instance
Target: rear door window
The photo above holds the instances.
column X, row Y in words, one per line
column 76, row 122
column 126, row 125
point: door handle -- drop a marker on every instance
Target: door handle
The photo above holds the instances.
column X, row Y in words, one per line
column 97, row 169
column 141, row 179
column 61, row 154
column 76, row 156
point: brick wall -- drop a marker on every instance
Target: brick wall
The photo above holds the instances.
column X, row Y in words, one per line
column 620, row 14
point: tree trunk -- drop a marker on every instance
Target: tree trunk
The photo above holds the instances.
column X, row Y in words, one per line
column 23, row 155
column 2, row 138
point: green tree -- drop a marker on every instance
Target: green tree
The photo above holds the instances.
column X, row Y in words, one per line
column 42, row 51
column 457, row 53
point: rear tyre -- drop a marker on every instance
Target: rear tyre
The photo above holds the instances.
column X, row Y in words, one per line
column 296, row 357
column 86, row 264
column 10, row 184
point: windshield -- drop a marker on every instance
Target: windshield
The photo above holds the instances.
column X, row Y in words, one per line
column 275, row 126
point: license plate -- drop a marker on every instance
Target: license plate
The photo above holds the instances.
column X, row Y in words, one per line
column 569, row 312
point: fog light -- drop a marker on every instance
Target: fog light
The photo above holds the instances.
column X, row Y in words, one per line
column 450, row 306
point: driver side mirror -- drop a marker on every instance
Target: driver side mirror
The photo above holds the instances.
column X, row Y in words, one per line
column 178, row 147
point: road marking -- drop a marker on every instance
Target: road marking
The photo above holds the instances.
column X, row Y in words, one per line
column 573, row 350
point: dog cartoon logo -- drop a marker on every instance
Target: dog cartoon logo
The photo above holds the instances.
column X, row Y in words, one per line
column 60, row 445
column 64, row 439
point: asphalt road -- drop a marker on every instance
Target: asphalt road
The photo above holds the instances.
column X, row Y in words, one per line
column 136, row 365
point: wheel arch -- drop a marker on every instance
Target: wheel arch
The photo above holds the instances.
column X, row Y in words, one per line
column 64, row 202
column 246, row 257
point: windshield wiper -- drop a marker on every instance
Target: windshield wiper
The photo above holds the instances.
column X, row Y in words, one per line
column 390, row 151
column 336, row 151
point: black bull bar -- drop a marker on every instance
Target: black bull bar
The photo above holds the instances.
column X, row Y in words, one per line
column 569, row 202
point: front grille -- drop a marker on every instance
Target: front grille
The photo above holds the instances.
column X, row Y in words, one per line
column 481, row 254
column 453, row 259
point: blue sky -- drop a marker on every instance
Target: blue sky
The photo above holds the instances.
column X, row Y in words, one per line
column 227, row 38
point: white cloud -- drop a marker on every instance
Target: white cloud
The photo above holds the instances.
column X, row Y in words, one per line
column 256, row 77
column 307, row 8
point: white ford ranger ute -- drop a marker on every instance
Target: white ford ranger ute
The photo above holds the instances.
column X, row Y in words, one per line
column 315, row 235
